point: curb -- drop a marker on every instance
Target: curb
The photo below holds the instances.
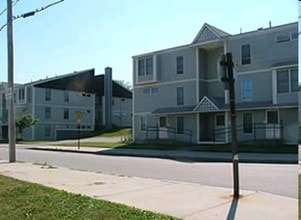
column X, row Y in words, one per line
column 182, row 158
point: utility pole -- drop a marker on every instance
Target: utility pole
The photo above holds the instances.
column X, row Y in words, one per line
column 10, row 89
column 228, row 78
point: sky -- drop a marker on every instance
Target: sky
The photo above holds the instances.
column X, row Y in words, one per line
column 76, row 35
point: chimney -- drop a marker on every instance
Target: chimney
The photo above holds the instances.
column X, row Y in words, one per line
column 108, row 97
column 270, row 24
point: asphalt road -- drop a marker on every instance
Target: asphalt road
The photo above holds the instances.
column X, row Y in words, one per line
column 271, row 178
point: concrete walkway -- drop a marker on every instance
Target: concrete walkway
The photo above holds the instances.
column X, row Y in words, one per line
column 179, row 199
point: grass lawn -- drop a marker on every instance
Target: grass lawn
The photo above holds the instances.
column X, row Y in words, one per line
column 116, row 133
column 22, row 200
column 293, row 149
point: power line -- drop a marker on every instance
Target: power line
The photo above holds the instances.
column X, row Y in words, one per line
column 4, row 10
column 31, row 13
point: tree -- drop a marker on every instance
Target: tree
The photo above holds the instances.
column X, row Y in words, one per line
column 124, row 84
column 25, row 121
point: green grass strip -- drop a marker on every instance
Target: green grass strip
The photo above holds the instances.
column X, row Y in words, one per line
column 23, row 200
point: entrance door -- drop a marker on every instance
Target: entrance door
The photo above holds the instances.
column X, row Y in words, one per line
column 272, row 126
column 163, row 130
column 206, row 124
column 220, row 135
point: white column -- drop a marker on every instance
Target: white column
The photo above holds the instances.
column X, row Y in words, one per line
column 274, row 86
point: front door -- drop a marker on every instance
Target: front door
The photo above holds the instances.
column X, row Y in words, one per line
column 272, row 126
column 206, row 124
column 220, row 135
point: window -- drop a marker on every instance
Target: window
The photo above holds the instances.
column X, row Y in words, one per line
column 143, row 123
column 282, row 81
column 287, row 80
column 146, row 91
column 21, row 94
column 247, row 123
column 220, row 120
column 47, row 131
column 180, row 65
column 180, row 125
column 66, row 96
column 145, row 66
column 294, row 80
column 47, row 94
column 180, row 96
column 294, row 35
column 272, row 117
column 162, row 122
column 66, row 113
column 149, row 66
column 245, row 54
column 282, row 38
column 47, row 112
column 141, row 67
column 154, row 90
column 247, row 90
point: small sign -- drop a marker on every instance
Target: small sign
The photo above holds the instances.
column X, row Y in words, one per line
column 79, row 116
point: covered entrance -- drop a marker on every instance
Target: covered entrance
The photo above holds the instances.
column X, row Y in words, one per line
column 211, row 122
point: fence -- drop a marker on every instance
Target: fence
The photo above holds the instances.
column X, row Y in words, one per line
column 168, row 133
column 258, row 131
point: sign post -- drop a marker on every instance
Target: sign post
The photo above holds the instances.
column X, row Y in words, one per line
column 79, row 116
column 228, row 79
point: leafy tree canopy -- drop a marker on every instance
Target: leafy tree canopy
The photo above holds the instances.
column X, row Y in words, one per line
column 25, row 121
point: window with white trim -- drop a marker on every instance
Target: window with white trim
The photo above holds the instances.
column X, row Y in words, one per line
column 145, row 66
column 66, row 96
column 47, row 131
column 180, row 65
column 220, row 120
column 162, row 121
column 21, row 95
column 245, row 54
column 47, row 112
column 180, row 95
column 272, row 117
column 149, row 66
column 47, row 94
column 66, row 113
column 287, row 80
column 150, row 90
column 247, row 90
column 282, row 38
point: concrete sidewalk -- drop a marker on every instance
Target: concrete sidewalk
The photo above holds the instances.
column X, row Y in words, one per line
column 181, row 155
column 179, row 199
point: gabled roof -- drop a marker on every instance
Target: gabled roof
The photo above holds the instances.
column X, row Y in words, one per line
column 209, row 33
column 206, row 105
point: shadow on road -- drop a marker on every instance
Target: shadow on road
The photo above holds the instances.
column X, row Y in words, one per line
column 181, row 156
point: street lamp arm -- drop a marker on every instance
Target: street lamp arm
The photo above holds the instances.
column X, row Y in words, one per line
column 29, row 14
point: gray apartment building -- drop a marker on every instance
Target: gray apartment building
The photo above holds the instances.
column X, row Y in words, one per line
column 178, row 94
column 57, row 101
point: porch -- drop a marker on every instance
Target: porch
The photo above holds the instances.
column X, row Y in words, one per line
column 255, row 132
